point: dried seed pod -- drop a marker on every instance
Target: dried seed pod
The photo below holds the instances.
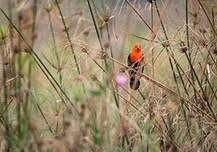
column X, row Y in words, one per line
column 84, row 49
column 93, row 77
column 203, row 43
column 214, row 49
column 195, row 15
column 104, row 55
column 106, row 18
column 183, row 47
column 165, row 44
column 49, row 8
column 203, row 31
column 86, row 32
column 101, row 55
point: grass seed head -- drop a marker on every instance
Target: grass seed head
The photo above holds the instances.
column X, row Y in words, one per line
column 165, row 44
column 183, row 47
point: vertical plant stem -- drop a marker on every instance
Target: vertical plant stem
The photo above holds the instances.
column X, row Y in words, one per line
column 98, row 33
column 18, row 81
column 4, row 112
column 13, row 73
column 116, row 97
column 109, row 41
column 66, row 30
column 140, row 16
column 29, row 80
column 172, row 67
column 45, row 119
column 41, row 65
column 152, row 50
column 209, row 20
column 55, row 47
column 188, row 48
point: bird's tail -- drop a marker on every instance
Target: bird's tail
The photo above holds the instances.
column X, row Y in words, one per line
column 134, row 83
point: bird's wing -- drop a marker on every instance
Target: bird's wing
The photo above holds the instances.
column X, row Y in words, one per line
column 129, row 63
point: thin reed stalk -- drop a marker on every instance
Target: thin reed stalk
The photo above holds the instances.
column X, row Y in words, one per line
column 40, row 64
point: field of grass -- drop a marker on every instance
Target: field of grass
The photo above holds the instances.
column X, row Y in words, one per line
column 64, row 80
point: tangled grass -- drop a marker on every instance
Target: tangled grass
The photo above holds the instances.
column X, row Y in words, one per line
column 64, row 78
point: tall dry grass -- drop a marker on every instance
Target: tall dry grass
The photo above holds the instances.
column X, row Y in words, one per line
column 60, row 61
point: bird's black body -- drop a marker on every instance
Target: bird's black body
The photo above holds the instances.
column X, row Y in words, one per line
column 134, row 78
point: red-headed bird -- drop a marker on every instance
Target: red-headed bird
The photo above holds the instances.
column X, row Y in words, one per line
column 134, row 61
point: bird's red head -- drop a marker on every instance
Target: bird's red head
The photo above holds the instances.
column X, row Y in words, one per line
column 135, row 53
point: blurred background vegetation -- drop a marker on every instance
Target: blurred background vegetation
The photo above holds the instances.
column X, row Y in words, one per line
column 60, row 61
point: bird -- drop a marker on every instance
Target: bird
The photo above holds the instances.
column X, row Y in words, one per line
column 134, row 61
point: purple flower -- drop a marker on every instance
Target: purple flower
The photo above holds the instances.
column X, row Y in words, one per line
column 121, row 79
